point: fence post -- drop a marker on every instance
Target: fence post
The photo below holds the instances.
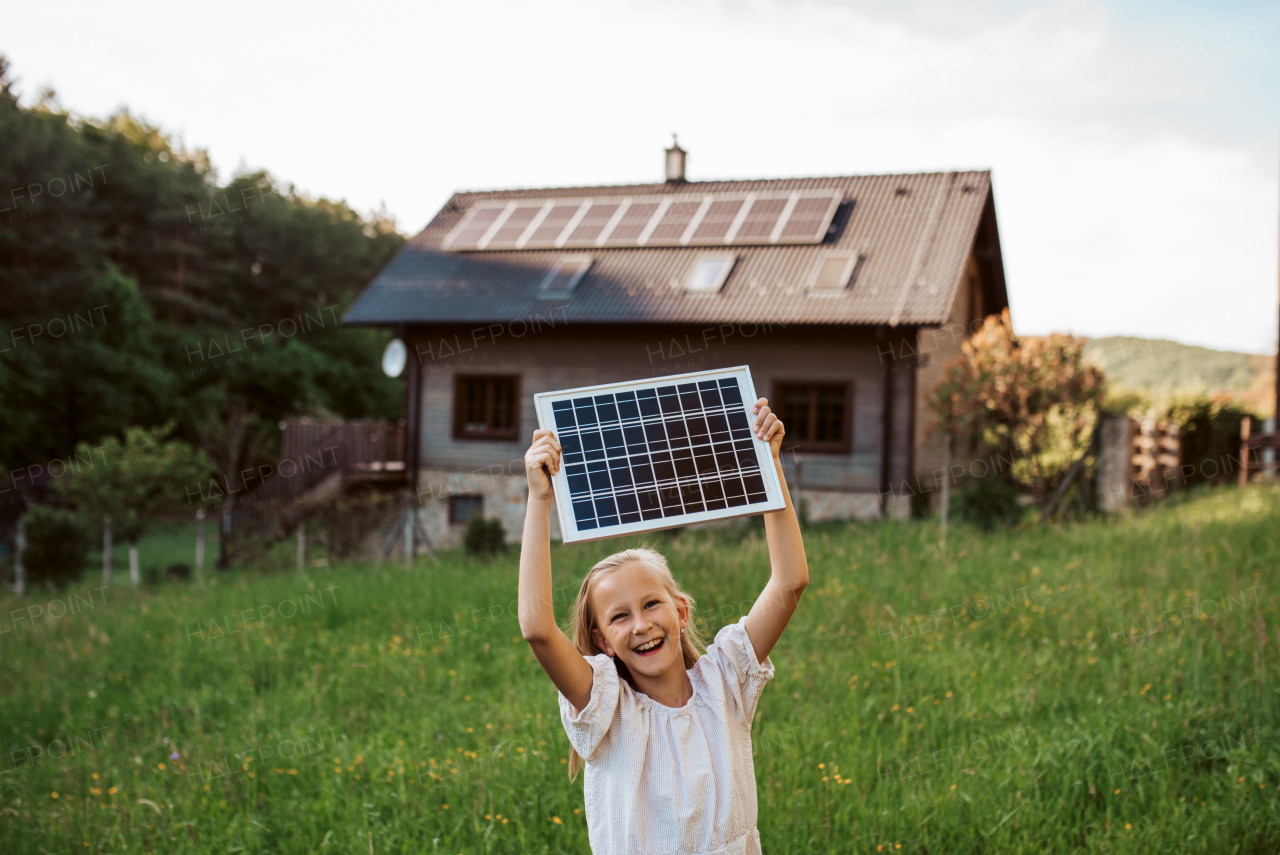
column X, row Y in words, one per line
column 1269, row 454
column 1244, row 451
column 200, row 545
column 20, row 569
column 302, row 547
column 408, row 533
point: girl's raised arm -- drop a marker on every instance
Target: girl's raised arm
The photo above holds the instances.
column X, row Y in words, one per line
column 555, row 652
column 790, row 569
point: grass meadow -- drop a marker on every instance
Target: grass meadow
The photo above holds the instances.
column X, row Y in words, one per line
column 1107, row 686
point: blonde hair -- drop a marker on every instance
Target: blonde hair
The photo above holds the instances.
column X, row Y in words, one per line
column 583, row 620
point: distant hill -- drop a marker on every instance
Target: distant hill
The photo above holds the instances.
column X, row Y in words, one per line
column 1167, row 366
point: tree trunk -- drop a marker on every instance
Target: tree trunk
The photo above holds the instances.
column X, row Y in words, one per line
column 108, row 556
column 135, row 577
column 1051, row 504
column 20, row 569
column 224, row 534
column 228, row 438
column 946, row 485
column 408, row 533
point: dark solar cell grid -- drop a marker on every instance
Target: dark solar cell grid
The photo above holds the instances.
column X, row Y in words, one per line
column 657, row 452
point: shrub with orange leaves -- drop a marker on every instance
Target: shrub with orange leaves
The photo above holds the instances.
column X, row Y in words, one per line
column 1029, row 403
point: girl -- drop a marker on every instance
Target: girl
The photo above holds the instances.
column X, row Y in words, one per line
column 664, row 728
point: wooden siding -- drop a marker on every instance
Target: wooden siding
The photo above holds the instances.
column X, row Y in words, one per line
column 936, row 347
column 560, row 357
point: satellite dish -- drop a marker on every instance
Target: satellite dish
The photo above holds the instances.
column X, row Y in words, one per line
column 393, row 358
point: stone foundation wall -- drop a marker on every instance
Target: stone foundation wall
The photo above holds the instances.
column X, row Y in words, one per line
column 504, row 497
column 828, row 505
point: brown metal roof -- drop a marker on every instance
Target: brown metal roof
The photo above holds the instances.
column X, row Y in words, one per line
column 913, row 232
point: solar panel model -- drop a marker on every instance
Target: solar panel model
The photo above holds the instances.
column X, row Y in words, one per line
column 647, row 455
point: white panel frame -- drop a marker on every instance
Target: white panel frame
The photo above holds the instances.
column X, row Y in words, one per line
column 698, row 216
column 462, row 225
column 624, row 204
column 643, row 237
column 496, row 225
column 783, row 217
column 741, row 218
column 542, row 403
column 536, row 223
column 574, row 221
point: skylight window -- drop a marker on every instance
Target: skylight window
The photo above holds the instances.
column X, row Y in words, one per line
column 709, row 274
column 832, row 272
column 564, row 277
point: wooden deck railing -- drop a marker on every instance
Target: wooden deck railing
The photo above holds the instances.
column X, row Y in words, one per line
column 316, row 450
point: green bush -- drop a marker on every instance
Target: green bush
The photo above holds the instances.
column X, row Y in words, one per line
column 484, row 536
column 57, row 547
column 178, row 572
column 1210, row 434
column 347, row 522
column 988, row 503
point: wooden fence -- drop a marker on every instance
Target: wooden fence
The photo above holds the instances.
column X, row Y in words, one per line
column 320, row 460
column 1254, row 448
column 1135, row 461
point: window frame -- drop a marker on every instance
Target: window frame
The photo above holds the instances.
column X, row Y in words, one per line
column 544, row 294
column 459, row 417
column 851, row 264
column 701, row 259
column 845, row 443
column 455, row 499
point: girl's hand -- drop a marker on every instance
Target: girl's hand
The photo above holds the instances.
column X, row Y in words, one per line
column 768, row 427
column 541, row 461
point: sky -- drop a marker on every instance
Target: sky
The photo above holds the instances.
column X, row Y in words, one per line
column 1134, row 147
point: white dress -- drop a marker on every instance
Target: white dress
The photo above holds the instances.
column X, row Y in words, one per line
column 672, row 781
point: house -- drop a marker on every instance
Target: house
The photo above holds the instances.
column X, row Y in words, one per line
column 845, row 295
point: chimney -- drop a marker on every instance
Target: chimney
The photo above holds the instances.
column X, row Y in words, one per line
column 675, row 162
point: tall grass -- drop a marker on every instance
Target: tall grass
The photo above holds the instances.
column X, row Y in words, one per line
column 1016, row 692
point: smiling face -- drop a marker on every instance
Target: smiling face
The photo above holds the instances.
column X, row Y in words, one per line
column 638, row 620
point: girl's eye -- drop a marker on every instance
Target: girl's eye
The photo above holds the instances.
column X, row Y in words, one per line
column 651, row 603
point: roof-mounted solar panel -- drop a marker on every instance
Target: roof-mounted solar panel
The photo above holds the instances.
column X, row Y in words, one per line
column 674, row 222
column 552, row 224
column 809, row 218
column 473, row 227
column 631, row 224
column 591, row 223
column 682, row 219
column 761, row 220
column 511, row 229
column 715, row 224
column 648, row 455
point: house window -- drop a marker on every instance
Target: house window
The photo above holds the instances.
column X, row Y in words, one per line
column 816, row 416
column 709, row 274
column 463, row 508
column 831, row 275
column 485, row 407
column 564, row 277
